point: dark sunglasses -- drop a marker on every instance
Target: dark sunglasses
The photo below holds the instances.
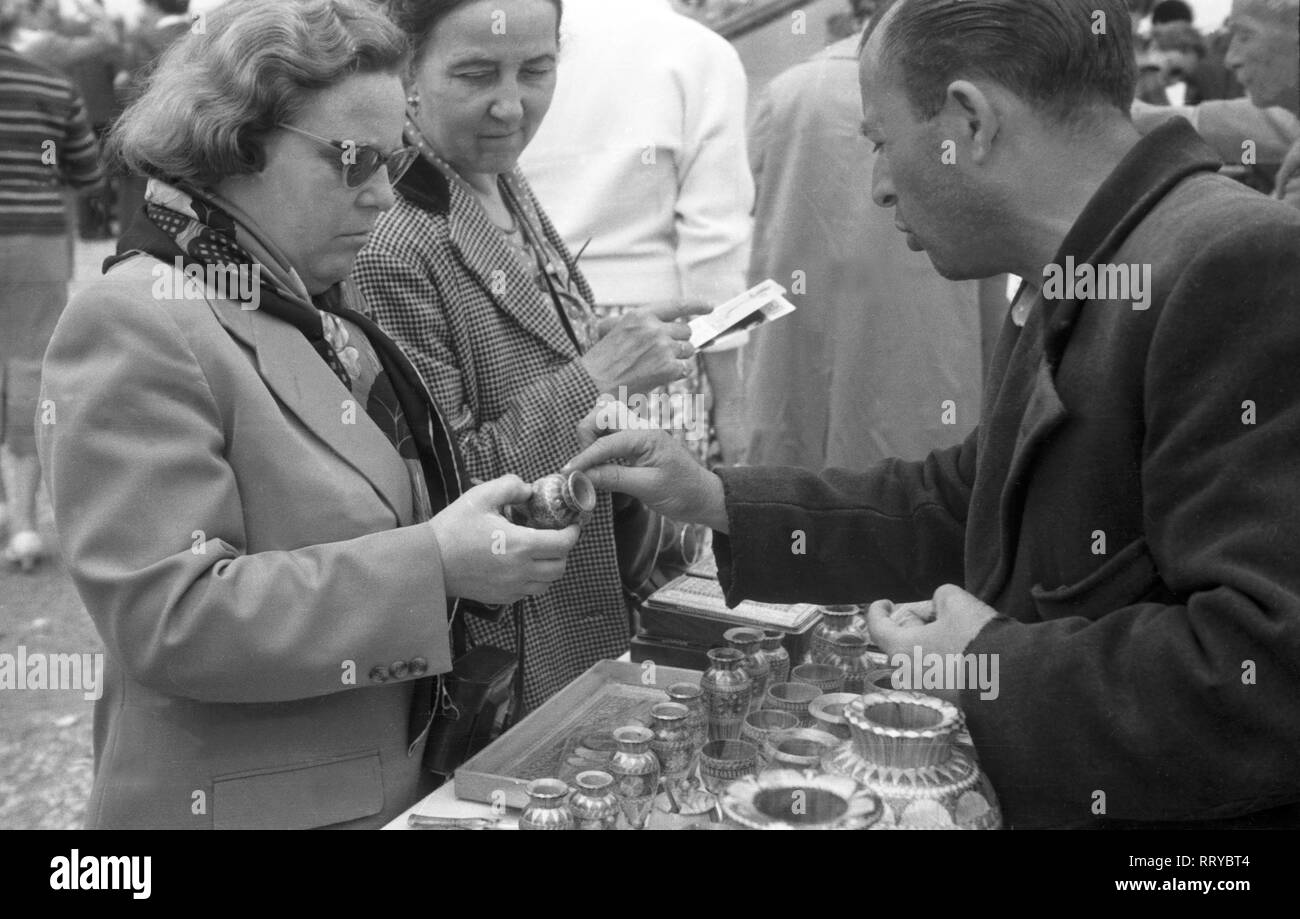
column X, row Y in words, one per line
column 361, row 161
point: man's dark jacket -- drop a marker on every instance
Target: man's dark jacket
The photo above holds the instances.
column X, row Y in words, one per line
column 1154, row 676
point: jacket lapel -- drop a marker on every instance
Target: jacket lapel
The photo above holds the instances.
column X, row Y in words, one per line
column 489, row 259
column 1155, row 165
column 1027, row 408
column 305, row 384
column 1028, row 411
column 485, row 256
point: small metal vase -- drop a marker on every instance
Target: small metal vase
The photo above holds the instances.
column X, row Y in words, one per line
column 835, row 620
column 546, row 809
column 749, row 643
column 636, row 774
column 907, row 748
column 777, row 657
column 593, row 804
column 850, row 655
column 727, row 693
column 557, row 501
column 793, row 698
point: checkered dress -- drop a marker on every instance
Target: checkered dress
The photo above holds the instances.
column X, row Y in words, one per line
column 439, row 278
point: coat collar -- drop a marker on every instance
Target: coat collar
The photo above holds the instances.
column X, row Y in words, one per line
column 1026, row 408
column 304, row 383
column 1147, row 173
column 485, row 255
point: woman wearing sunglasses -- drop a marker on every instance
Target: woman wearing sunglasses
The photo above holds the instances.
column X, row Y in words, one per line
column 257, row 500
column 468, row 274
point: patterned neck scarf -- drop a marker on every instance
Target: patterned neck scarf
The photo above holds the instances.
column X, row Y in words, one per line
column 183, row 223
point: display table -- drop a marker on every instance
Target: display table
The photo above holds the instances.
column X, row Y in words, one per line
column 444, row 803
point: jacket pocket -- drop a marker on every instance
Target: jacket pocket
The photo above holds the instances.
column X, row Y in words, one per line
column 1130, row 577
column 301, row 796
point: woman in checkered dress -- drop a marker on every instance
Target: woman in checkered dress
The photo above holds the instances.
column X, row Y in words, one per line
column 469, row 275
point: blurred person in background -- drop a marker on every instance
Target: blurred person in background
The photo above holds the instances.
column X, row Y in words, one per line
column 46, row 146
column 641, row 164
column 468, row 274
column 1187, row 61
column 79, row 39
column 46, row 35
column 161, row 23
column 256, row 496
column 1266, row 124
column 1263, row 57
column 1170, row 12
column 880, row 342
column 1140, row 15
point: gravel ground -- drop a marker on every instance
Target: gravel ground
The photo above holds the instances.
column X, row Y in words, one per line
column 46, row 759
column 45, row 735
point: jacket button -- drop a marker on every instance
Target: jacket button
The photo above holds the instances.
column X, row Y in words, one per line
column 379, row 675
column 419, row 666
column 398, row 669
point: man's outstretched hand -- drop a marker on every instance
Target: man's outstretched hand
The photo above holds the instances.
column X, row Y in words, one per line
column 943, row 625
column 651, row 466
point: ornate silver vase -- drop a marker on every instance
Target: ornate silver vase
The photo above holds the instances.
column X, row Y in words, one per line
column 749, row 643
column 905, row 748
column 557, row 501
column 835, row 620
column 546, row 809
column 777, row 657
column 593, row 804
column 727, row 693
column 636, row 774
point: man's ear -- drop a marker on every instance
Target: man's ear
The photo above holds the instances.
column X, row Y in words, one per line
column 970, row 108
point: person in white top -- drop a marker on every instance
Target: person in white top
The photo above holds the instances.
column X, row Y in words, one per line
column 642, row 166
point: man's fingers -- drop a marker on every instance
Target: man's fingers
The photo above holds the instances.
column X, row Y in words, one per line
column 949, row 599
column 590, row 429
column 917, row 613
column 609, row 416
column 645, row 484
column 621, row 445
column 882, row 628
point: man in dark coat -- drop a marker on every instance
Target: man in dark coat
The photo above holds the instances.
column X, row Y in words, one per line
column 1122, row 522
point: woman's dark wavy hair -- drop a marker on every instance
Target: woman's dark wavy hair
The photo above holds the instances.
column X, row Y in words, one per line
column 1047, row 52
column 240, row 71
column 418, row 18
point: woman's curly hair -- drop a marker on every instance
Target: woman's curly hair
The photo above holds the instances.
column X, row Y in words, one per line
column 240, row 71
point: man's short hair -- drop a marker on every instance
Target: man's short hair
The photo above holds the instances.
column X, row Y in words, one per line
column 1170, row 11
column 1066, row 58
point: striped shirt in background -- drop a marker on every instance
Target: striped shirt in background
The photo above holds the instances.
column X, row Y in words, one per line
column 37, row 107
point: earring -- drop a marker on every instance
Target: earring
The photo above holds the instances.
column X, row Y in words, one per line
column 413, row 101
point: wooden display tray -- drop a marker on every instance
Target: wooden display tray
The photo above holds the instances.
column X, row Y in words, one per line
column 549, row 742
column 702, row 598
